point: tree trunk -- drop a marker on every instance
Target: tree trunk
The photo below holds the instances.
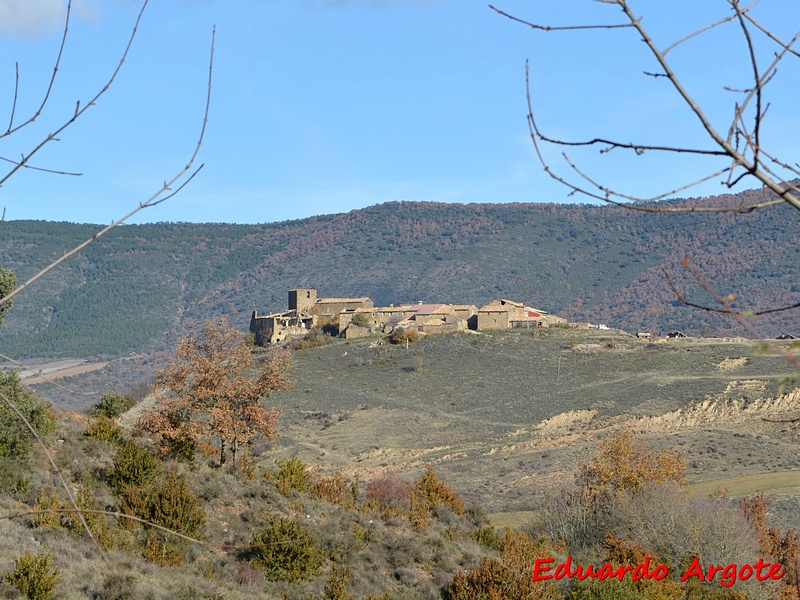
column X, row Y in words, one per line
column 222, row 453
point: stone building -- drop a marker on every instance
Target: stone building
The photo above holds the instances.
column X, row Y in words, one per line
column 305, row 311
column 507, row 314
column 358, row 317
column 416, row 318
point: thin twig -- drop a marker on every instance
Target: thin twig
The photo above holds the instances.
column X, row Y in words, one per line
column 41, row 169
column 726, row 308
column 772, row 36
column 38, row 112
column 78, row 111
column 706, row 28
column 758, row 84
column 121, row 515
column 551, row 28
column 16, row 96
column 147, row 203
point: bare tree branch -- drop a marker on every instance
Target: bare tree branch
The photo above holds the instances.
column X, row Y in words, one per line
column 707, row 28
column 151, row 201
column 41, row 169
column 154, row 199
column 11, row 129
column 121, row 515
column 771, row 35
column 723, row 301
column 78, row 110
column 743, row 150
column 551, row 28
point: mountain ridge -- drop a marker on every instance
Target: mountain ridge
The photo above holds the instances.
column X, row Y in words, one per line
column 141, row 285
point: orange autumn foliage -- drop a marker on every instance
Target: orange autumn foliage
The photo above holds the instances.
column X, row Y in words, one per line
column 205, row 395
column 625, row 463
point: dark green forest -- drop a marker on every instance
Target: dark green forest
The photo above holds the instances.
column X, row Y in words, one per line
column 137, row 288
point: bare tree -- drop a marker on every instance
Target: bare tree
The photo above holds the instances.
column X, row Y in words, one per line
column 735, row 152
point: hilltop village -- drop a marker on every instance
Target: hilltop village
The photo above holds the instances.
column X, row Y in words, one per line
column 359, row 317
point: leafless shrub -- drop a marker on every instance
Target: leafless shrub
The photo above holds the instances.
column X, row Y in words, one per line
column 390, row 495
column 666, row 519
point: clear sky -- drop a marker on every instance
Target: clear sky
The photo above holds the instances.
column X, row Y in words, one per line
column 324, row 106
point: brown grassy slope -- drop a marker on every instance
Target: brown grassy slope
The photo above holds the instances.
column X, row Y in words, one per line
column 506, row 416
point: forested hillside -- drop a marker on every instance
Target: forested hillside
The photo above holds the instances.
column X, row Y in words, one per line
column 136, row 288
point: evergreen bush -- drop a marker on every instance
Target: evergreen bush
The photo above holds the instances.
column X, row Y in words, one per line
column 286, row 550
column 112, row 405
column 34, row 576
column 292, row 474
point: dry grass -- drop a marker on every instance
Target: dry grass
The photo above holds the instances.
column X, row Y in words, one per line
column 504, row 415
column 503, row 418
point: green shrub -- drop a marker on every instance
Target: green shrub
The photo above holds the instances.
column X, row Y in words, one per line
column 612, row 589
column 98, row 524
column 14, row 477
column 34, row 576
column 429, row 494
column 168, row 503
column 172, row 504
column 159, row 550
column 49, row 506
column 181, row 447
column 112, row 405
column 315, row 339
column 487, row 536
column 16, row 440
column 361, row 320
column 104, row 428
column 134, row 466
column 286, row 550
column 336, row 586
column 292, row 474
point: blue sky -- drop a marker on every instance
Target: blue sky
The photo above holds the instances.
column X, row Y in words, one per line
column 324, row 106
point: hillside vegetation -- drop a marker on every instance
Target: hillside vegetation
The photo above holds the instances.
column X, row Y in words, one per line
column 595, row 263
column 395, row 470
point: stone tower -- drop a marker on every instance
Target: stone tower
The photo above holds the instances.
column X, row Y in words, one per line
column 302, row 300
